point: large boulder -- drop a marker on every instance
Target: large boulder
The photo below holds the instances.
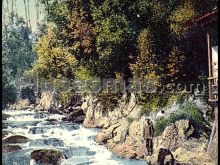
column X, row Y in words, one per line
column 47, row 102
column 174, row 135
column 106, row 134
column 47, row 156
column 193, row 152
column 77, row 116
column 162, row 156
column 124, row 151
column 124, row 140
column 10, row 148
column 16, row 139
column 130, row 149
column 22, row 104
column 97, row 117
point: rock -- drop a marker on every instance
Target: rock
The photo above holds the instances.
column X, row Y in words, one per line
column 16, row 139
column 96, row 117
column 5, row 116
column 193, row 152
column 51, row 120
column 162, row 156
column 213, row 150
column 5, row 133
column 106, row 134
column 77, row 116
column 47, row 102
column 10, row 148
column 174, row 135
column 136, row 130
column 124, row 151
column 23, row 104
column 47, row 156
column 79, row 119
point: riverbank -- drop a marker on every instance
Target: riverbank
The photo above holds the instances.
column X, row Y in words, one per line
column 182, row 130
column 47, row 131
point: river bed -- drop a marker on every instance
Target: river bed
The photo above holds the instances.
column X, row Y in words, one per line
column 47, row 131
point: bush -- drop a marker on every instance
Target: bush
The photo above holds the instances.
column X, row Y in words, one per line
column 154, row 102
column 109, row 100
column 28, row 93
column 188, row 111
column 68, row 98
column 161, row 124
column 8, row 95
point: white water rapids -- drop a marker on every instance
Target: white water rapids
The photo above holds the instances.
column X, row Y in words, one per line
column 75, row 141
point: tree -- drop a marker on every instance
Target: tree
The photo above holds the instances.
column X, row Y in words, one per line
column 17, row 46
column 53, row 59
column 17, row 55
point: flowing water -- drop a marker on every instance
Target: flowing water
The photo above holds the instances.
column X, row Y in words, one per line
column 76, row 142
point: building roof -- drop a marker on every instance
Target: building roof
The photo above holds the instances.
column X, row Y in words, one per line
column 204, row 19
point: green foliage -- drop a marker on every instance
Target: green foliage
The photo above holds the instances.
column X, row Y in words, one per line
column 17, row 46
column 152, row 102
column 64, row 98
column 28, row 93
column 161, row 124
column 53, row 59
column 179, row 17
column 8, row 94
column 188, row 111
column 17, row 55
column 108, row 100
column 145, row 66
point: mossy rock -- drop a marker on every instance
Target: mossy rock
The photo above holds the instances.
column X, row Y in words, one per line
column 48, row 156
column 16, row 139
column 10, row 148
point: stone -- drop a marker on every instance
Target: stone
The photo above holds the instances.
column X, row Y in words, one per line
column 77, row 116
column 5, row 133
column 162, row 156
column 47, row 156
column 79, row 119
column 47, row 102
column 174, row 135
column 16, row 139
column 5, row 116
column 106, row 134
column 193, row 152
column 22, row 104
column 124, row 151
column 10, row 148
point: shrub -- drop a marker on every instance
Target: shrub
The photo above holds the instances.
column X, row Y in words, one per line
column 188, row 111
column 161, row 124
column 191, row 111
column 68, row 98
column 28, row 93
column 154, row 102
column 109, row 100
column 8, row 95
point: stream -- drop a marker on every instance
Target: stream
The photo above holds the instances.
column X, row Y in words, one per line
column 47, row 131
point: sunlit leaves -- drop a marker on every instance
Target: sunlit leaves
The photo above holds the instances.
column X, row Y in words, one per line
column 180, row 16
column 53, row 59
